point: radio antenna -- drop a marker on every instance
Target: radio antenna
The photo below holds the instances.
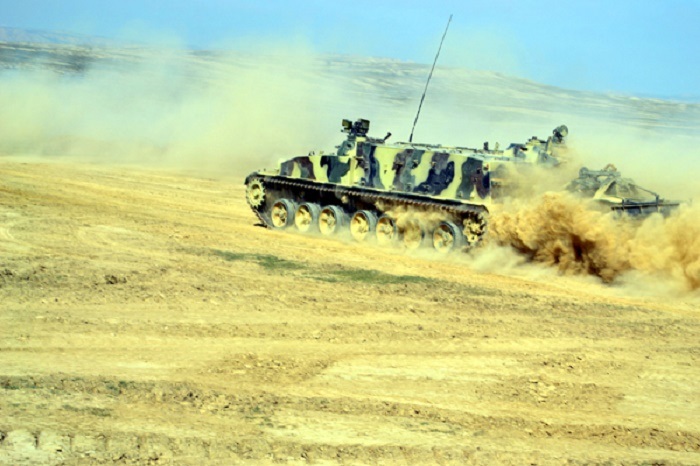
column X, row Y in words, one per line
column 410, row 139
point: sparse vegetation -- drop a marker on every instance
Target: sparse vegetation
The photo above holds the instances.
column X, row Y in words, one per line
column 372, row 277
column 333, row 275
column 93, row 411
column 266, row 261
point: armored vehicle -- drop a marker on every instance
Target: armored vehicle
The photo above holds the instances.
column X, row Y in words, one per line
column 405, row 192
column 622, row 195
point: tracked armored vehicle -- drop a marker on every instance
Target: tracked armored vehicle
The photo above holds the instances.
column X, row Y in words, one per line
column 610, row 190
column 402, row 192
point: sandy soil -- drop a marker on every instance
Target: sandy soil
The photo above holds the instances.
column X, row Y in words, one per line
column 146, row 319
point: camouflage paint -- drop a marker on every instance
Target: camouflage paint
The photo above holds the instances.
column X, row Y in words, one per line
column 305, row 168
column 404, row 163
column 441, row 174
column 370, row 164
column 434, row 171
column 336, row 168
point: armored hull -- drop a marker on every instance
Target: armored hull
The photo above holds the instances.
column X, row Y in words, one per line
column 413, row 194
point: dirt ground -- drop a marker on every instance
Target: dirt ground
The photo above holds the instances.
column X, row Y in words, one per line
column 145, row 318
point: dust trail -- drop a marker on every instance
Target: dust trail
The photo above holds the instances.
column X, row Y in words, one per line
column 570, row 234
column 233, row 113
column 406, row 217
column 174, row 108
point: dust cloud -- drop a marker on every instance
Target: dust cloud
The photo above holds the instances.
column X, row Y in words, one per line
column 231, row 113
column 175, row 108
column 560, row 230
column 408, row 217
column 541, row 223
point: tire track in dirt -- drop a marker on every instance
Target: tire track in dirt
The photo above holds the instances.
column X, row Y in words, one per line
column 266, row 412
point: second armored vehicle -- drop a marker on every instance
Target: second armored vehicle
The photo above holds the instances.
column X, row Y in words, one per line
column 622, row 195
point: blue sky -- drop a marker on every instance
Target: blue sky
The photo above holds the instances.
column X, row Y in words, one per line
column 644, row 47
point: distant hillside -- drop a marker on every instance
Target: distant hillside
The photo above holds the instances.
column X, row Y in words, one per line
column 36, row 36
column 381, row 85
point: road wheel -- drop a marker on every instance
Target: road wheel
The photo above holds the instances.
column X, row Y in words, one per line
column 447, row 237
column 413, row 235
column 282, row 213
column 363, row 222
column 330, row 220
column 306, row 217
column 386, row 230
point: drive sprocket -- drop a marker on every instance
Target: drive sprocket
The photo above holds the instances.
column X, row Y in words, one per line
column 255, row 193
